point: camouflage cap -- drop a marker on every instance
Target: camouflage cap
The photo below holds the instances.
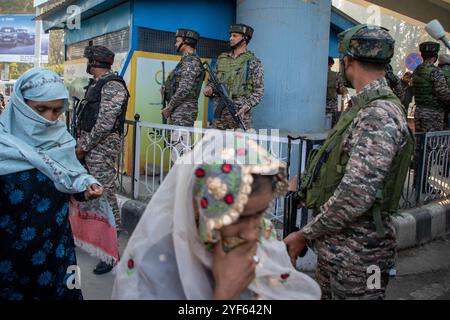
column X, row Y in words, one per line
column 367, row 43
column 100, row 54
column 429, row 47
column 187, row 33
column 242, row 28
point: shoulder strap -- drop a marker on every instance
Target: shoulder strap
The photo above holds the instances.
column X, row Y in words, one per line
column 115, row 77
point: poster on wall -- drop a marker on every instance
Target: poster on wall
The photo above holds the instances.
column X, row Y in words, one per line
column 148, row 84
column 148, row 75
column 17, row 39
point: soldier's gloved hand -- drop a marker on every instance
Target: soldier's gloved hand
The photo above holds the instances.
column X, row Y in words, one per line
column 93, row 191
column 166, row 112
column 208, row 91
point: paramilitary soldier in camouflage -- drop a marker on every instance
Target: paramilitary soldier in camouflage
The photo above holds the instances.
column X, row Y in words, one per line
column 431, row 92
column 243, row 76
column 444, row 65
column 101, row 125
column 354, row 181
column 334, row 87
column 184, row 83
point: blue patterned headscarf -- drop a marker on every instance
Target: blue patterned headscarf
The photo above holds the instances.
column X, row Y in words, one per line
column 28, row 140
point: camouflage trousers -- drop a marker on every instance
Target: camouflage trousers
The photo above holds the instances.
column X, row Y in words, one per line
column 427, row 120
column 102, row 165
column 226, row 121
column 339, row 283
column 185, row 114
column 355, row 264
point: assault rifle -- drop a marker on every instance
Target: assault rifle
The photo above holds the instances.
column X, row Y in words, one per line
column 163, row 92
column 224, row 99
column 292, row 200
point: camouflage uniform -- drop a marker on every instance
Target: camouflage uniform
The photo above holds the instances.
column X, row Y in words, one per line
column 102, row 145
column 2, row 102
column 345, row 239
column 184, row 101
column 356, row 166
column 431, row 117
column 182, row 90
column 332, row 98
column 446, row 71
column 256, row 75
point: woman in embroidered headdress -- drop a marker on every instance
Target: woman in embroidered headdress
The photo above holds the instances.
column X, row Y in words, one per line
column 38, row 173
column 203, row 235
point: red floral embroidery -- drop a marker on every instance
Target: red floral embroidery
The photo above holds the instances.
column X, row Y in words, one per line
column 130, row 264
column 229, row 199
column 204, row 203
column 242, row 152
column 284, row 276
column 226, row 168
column 200, row 173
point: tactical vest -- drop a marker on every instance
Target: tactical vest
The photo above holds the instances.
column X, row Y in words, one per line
column 423, row 86
column 326, row 166
column 174, row 78
column 234, row 73
column 331, row 85
column 92, row 100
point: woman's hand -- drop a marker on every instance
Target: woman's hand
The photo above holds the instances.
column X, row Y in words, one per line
column 93, row 191
column 295, row 243
column 233, row 271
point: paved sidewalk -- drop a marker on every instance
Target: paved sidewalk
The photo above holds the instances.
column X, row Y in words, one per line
column 423, row 273
column 96, row 287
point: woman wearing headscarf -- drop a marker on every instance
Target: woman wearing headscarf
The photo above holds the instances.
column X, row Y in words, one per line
column 203, row 235
column 38, row 173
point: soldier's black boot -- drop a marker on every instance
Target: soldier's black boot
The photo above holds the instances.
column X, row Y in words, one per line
column 103, row 267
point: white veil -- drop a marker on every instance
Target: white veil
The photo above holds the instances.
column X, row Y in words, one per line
column 165, row 258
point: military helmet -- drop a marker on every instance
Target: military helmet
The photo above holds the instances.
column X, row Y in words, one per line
column 186, row 33
column 367, row 43
column 429, row 47
column 100, row 54
column 246, row 30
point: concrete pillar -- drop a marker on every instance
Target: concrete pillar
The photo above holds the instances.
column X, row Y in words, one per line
column 291, row 38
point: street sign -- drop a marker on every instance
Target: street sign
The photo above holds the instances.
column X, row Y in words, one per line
column 413, row 60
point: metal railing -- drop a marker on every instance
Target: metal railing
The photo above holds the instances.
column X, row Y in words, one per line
column 435, row 175
column 156, row 147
